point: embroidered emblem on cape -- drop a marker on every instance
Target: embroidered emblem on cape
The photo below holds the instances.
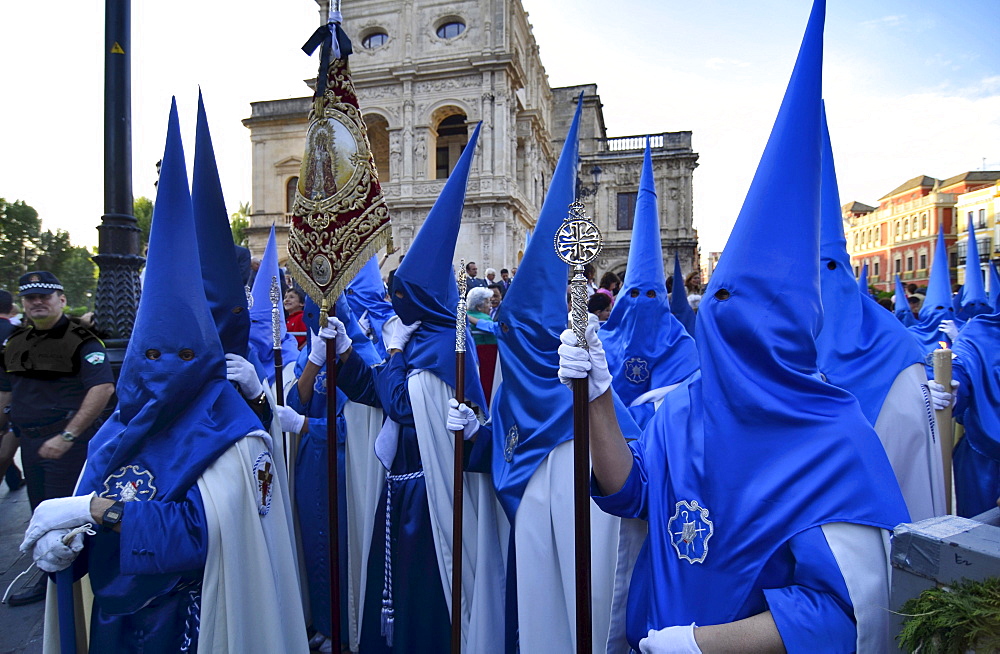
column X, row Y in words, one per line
column 319, row 386
column 690, row 530
column 509, row 444
column 636, row 370
column 249, row 297
column 130, row 484
column 264, row 479
column 94, row 358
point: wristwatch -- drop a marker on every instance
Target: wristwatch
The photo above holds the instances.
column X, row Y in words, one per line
column 113, row 515
column 68, row 436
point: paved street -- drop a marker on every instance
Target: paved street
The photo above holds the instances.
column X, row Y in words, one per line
column 20, row 627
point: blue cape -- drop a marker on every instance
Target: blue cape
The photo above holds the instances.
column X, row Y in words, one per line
column 366, row 292
column 646, row 346
column 977, row 351
column 863, row 281
column 769, row 449
column 862, row 347
column 261, row 328
column 532, row 411
column 424, row 286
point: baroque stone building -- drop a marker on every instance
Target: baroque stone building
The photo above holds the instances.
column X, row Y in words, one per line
column 426, row 71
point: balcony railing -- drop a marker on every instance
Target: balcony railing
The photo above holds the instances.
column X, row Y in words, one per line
column 663, row 141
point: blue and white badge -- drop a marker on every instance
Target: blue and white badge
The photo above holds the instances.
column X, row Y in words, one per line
column 131, row 483
column 689, row 530
column 263, row 477
column 94, row 358
column 319, row 386
column 636, row 370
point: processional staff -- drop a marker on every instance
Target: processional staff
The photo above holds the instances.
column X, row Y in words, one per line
column 942, row 375
column 279, row 383
column 578, row 241
column 458, row 499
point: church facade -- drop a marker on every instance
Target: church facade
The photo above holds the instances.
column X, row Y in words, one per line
column 426, row 71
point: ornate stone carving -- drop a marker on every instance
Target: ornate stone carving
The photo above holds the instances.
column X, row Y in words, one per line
column 449, row 84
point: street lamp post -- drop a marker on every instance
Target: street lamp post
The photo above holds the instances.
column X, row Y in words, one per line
column 118, row 251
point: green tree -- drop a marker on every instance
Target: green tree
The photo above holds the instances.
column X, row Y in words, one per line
column 79, row 277
column 19, row 235
column 239, row 222
column 53, row 251
column 142, row 209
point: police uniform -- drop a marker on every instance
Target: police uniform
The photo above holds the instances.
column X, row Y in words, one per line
column 48, row 373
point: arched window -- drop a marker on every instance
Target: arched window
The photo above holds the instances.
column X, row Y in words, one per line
column 375, row 39
column 906, row 226
column 855, row 241
column 378, row 138
column 452, row 135
column 898, row 229
column 450, row 29
column 923, row 221
column 290, row 187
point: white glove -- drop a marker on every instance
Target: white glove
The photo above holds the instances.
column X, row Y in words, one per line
column 52, row 555
column 289, row 419
column 242, row 372
column 949, row 328
column 401, row 335
column 578, row 363
column 59, row 513
column 672, row 640
column 462, row 418
column 940, row 398
column 333, row 329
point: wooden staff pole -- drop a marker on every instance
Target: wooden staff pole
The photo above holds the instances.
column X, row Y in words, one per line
column 332, row 476
column 578, row 242
column 458, row 499
column 942, row 375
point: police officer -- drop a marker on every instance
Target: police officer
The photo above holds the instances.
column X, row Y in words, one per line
column 55, row 383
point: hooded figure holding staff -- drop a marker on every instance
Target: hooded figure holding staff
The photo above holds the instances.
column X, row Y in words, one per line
column 767, row 493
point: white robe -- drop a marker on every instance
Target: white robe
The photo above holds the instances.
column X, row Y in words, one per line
column 250, row 568
column 484, row 527
column 545, row 539
column 908, row 431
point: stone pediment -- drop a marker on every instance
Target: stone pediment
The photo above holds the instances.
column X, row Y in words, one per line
column 289, row 162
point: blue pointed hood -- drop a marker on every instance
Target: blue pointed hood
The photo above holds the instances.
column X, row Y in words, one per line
column 645, row 345
column 994, row 287
column 679, row 305
column 902, row 306
column 937, row 304
column 424, row 286
column 863, row 281
column 224, row 287
column 261, row 329
column 366, row 297
column 176, row 411
column 977, row 350
column 861, row 347
column 974, row 300
column 768, row 448
column 532, row 410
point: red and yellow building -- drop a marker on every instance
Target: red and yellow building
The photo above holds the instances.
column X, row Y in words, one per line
column 898, row 235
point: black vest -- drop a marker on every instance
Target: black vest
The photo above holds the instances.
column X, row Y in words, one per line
column 29, row 350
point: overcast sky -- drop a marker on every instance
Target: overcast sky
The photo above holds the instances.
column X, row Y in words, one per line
column 912, row 87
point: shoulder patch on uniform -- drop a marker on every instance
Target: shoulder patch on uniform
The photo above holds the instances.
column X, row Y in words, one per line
column 94, row 358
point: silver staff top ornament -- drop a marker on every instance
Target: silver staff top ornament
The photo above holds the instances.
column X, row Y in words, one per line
column 578, row 241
